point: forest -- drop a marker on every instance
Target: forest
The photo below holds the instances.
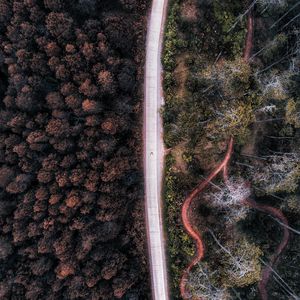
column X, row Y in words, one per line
column 231, row 129
column 71, row 184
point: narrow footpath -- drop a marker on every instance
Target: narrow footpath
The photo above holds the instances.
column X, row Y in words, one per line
column 223, row 166
column 154, row 151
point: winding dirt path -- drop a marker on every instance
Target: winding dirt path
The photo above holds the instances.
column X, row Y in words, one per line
column 223, row 166
column 249, row 37
column 193, row 232
column 276, row 213
column 196, row 236
column 262, row 286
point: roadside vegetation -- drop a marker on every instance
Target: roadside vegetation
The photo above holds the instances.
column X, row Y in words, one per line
column 212, row 94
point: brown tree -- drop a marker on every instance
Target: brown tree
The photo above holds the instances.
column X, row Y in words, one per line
column 60, row 25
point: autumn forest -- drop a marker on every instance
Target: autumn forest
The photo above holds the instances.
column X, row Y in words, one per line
column 71, row 196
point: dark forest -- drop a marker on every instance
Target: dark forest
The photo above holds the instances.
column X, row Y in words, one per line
column 71, row 194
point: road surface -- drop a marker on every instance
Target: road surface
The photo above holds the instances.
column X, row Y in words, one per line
column 154, row 150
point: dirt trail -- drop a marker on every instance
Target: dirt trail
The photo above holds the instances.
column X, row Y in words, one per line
column 249, row 37
column 223, row 166
column 194, row 233
column 196, row 236
column 276, row 213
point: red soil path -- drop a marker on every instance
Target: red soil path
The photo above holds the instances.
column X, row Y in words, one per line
column 276, row 213
column 223, row 166
column 196, row 236
column 194, row 233
column 249, row 37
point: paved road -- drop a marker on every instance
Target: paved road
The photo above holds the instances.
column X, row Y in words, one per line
column 153, row 151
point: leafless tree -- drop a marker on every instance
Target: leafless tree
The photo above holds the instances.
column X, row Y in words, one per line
column 202, row 287
column 280, row 173
column 273, row 3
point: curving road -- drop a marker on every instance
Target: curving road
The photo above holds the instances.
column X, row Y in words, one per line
column 154, row 150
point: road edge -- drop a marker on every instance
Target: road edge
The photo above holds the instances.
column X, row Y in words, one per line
column 160, row 169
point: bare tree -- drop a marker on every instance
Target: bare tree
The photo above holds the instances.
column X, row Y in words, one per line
column 280, row 173
column 201, row 286
column 272, row 3
column 242, row 263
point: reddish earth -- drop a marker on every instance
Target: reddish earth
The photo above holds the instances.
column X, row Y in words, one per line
column 196, row 236
column 249, row 37
column 223, row 166
column 193, row 232
column 276, row 213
